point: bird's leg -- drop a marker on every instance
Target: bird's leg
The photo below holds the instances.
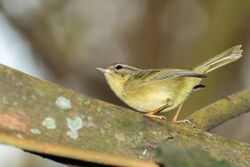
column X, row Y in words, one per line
column 177, row 113
column 176, row 116
column 152, row 114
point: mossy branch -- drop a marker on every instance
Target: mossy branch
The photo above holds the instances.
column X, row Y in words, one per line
column 222, row 110
column 42, row 117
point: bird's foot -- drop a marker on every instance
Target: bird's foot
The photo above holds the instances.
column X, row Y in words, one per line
column 161, row 117
column 182, row 121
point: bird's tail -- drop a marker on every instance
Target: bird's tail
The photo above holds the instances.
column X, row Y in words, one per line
column 224, row 58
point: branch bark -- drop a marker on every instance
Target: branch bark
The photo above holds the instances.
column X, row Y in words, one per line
column 42, row 117
column 222, row 110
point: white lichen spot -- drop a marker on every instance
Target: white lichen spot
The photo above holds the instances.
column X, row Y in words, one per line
column 35, row 131
column 19, row 136
column 49, row 123
column 120, row 137
column 63, row 103
column 98, row 109
column 75, row 123
column 73, row 134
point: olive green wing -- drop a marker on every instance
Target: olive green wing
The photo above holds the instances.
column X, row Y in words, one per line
column 157, row 75
column 145, row 77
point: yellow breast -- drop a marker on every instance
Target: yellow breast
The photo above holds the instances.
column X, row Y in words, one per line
column 148, row 97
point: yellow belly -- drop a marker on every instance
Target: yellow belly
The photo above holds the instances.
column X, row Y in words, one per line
column 152, row 96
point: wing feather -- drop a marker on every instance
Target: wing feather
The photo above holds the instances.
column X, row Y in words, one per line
column 171, row 73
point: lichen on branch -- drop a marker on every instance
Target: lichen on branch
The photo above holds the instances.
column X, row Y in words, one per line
column 41, row 117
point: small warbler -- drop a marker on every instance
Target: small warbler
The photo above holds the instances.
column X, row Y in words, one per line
column 161, row 90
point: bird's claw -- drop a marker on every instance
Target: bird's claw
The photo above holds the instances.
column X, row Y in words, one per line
column 183, row 121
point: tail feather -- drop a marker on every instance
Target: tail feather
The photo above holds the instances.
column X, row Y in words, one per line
column 220, row 60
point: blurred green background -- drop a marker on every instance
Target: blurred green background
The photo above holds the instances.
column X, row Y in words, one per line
column 64, row 41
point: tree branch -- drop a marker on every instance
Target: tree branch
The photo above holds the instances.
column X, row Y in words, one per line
column 223, row 110
column 42, row 117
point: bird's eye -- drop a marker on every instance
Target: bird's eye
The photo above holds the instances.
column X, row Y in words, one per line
column 118, row 67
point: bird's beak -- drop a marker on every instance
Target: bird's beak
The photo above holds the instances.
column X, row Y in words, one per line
column 103, row 70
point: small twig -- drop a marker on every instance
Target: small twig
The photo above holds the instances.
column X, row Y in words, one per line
column 221, row 111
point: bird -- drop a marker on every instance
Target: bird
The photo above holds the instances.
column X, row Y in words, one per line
column 153, row 91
